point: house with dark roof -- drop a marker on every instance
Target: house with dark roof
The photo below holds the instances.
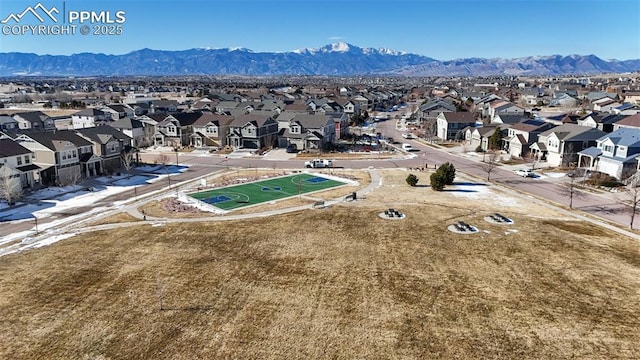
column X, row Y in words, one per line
column 18, row 159
column 602, row 121
column 108, row 144
column 210, row 130
column 118, row 111
column 450, row 125
column 63, row 156
column 561, row 144
column 163, row 106
column 615, row 154
column 309, row 132
column 8, row 123
column 251, row 131
column 34, row 120
column 432, row 108
column 140, row 132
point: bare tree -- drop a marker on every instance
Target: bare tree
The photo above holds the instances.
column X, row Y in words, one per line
column 633, row 195
column 10, row 185
column 490, row 161
column 127, row 158
column 532, row 159
column 571, row 190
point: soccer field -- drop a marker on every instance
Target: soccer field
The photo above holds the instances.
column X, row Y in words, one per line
column 237, row 196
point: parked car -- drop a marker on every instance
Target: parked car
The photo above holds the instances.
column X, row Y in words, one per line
column 318, row 163
column 407, row 135
column 524, row 172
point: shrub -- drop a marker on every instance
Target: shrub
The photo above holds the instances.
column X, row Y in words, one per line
column 448, row 171
column 438, row 181
column 412, row 180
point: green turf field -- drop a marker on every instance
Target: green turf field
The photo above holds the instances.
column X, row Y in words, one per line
column 237, row 196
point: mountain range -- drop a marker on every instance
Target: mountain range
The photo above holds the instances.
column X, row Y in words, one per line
column 339, row 59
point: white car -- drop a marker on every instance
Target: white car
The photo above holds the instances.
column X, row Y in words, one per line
column 524, row 172
column 407, row 136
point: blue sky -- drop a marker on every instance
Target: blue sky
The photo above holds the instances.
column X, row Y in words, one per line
column 441, row 29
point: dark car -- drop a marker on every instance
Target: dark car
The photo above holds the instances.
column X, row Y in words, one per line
column 292, row 148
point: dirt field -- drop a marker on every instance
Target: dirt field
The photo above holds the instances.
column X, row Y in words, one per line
column 334, row 283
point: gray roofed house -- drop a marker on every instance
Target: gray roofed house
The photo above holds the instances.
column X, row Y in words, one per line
column 140, row 132
column 615, row 154
column 309, row 132
column 64, row 156
column 108, row 143
column 449, row 125
column 34, row 120
column 18, row 159
column 564, row 142
column 253, row 132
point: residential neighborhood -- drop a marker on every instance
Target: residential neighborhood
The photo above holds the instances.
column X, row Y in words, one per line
column 562, row 122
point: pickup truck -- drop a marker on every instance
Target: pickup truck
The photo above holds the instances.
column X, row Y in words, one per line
column 318, row 163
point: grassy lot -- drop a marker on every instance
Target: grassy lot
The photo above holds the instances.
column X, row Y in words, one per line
column 337, row 283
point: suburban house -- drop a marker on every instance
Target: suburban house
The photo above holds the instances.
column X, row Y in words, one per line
column 309, row 132
column 168, row 132
column 141, row 133
column 503, row 108
column 563, row 100
column 89, row 118
column 615, row 154
column 450, row 125
column 252, row 132
column 433, row 108
column 601, row 121
column 108, row 144
column 18, row 159
column 342, row 124
column 350, row 107
column 627, row 109
column 163, row 106
column 561, row 144
column 605, row 104
column 632, row 97
column 35, row 120
column 632, row 121
column 479, row 136
column 508, row 119
column 210, row 130
column 7, row 123
column 59, row 155
column 118, row 111
column 522, row 135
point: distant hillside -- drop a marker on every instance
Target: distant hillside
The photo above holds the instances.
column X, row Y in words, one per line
column 338, row 59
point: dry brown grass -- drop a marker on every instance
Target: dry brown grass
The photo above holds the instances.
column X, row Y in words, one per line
column 335, row 283
column 115, row 219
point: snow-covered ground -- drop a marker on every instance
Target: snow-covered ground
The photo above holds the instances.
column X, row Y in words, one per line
column 52, row 201
column 480, row 191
